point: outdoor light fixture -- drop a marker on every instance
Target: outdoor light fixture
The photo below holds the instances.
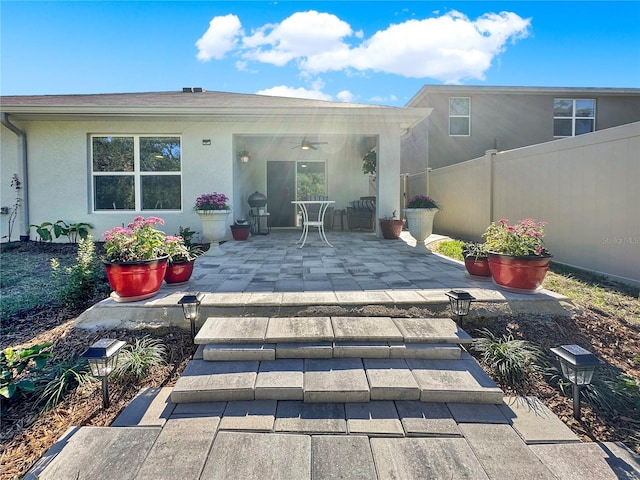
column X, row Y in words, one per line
column 460, row 303
column 191, row 309
column 578, row 366
column 244, row 156
column 102, row 358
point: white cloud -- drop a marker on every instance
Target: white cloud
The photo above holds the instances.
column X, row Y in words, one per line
column 345, row 96
column 448, row 47
column 379, row 99
column 220, row 38
column 284, row 91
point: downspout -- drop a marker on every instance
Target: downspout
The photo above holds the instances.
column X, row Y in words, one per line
column 24, row 178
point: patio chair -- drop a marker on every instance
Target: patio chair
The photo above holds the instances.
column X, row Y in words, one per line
column 361, row 214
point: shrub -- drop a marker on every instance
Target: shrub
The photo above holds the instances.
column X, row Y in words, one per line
column 511, row 360
column 81, row 279
column 136, row 359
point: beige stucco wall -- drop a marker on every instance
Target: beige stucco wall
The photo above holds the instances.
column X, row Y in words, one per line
column 586, row 188
column 59, row 167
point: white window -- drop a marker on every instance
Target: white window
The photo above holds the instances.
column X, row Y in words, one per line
column 573, row 117
column 136, row 172
column 459, row 116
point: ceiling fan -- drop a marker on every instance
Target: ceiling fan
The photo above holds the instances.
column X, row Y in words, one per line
column 307, row 145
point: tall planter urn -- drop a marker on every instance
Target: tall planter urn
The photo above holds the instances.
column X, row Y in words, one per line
column 214, row 227
column 420, row 224
column 136, row 280
column 523, row 274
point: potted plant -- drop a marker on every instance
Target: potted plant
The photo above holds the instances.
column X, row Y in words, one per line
column 391, row 227
column 420, row 212
column 240, row 229
column 213, row 211
column 475, row 259
column 182, row 259
column 135, row 259
column 518, row 259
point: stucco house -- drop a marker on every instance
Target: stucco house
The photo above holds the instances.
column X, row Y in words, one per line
column 469, row 120
column 106, row 158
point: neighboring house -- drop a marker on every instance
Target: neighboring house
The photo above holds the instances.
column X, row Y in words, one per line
column 469, row 120
column 106, row 158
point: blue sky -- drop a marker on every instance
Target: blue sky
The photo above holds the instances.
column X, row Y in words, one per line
column 361, row 51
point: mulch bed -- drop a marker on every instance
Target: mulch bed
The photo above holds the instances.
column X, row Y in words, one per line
column 27, row 433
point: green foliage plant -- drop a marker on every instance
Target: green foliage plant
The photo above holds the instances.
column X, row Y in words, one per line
column 80, row 279
column 15, row 365
column 44, row 231
column 73, row 231
column 522, row 239
column 369, row 162
column 136, row 359
column 474, row 249
column 63, row 378
column 510, row 359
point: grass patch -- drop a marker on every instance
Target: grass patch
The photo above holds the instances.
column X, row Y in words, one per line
column 21, row 289
column 451, row 249
column 602, row 295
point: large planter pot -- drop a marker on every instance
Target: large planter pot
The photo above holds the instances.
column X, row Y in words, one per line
column 522, row 274
column 179, row 272
column 477, row 266
column 420, row 224
column 214, row 227
column 240, row 232
column 134, row 281
column 391, row 229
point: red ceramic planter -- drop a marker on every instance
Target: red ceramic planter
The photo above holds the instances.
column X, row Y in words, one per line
column 523, row 274
column 240, row 232
column 136, row 279
column 391, row 229
column 179, row 272
column 478, row 267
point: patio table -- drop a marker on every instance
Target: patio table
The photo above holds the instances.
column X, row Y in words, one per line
column 313, row 222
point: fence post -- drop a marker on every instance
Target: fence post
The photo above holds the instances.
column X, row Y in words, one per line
column 490, row 156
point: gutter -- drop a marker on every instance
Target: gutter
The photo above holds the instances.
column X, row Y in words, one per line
column 24, row 178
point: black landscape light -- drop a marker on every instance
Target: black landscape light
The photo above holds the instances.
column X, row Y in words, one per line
column 102, row 358
column 191, row 309
column 460, row 303
column 578, row 366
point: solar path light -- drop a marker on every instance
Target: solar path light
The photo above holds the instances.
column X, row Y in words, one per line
column 460, row 303
column 578, row 366
column 191, row 309
column 102, row 358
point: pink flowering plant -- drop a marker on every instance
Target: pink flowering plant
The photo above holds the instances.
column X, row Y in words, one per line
column 141, row 240
column 421, row 201
column 212, row 201
column 525, row 238
column 175, row 247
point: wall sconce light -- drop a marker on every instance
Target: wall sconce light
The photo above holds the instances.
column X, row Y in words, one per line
column 102, row 358
column 578, row 366
column 206, row 141
column 191, row 309
column 244, row 156
column 460, row 303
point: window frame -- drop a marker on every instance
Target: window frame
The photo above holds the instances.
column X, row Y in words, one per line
column 468, row 117
column 137, row 173
column 573, row 116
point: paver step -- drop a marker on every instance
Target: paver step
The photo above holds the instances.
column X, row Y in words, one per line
column 276, row 330
column 272, row 351
column 337, row 380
